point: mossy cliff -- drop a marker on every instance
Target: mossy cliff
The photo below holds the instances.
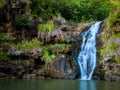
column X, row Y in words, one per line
column 109, row 47
column 36, row 48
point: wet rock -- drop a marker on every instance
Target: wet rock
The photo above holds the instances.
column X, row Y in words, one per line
column 16, row 69
column 59, row 21
column 110, row 77
column 69, row 74
column 19, row 54
column 64, row 33
column 14, row 52
column 107, row 59
column 60, row 49
column 36, row 53
column 29, row 76
column 2, row 75
column 56, row 68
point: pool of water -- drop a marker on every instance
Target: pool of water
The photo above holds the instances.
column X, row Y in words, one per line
column 38, row 84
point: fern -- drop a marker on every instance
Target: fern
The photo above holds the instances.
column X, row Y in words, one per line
column 49, row 26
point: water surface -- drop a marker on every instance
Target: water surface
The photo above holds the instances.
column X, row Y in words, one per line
column 38, row 84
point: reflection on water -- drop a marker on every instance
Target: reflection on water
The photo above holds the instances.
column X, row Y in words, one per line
column 87, row 85
column 38, row 84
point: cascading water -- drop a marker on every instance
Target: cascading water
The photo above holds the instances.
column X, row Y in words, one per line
column 87, row 55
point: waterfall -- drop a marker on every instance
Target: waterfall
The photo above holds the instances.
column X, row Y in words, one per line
column 87, row 55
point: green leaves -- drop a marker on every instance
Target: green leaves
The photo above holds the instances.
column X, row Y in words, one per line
column 2, row 2
column 3, row 37
column 23, row 20
column 27, row 45
column 47, row 56
column 73, row 10
column 47, row 27
column 114, row 17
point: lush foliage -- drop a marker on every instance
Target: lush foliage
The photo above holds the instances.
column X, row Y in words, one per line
column 2, row 2
column 27, row 45
column 47, row 56
column 111, row 33
column 47, row 27
column 75, row 10
column 4, row 37
column 114, row 17
column 23, row 20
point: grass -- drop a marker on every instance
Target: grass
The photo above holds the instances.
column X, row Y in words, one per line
column 4, row 37
column 117, row 60
column 118, row 35
column 61, row 45
column 114, row 17
column 47, row 27
column 27, row 45
column 101, row 51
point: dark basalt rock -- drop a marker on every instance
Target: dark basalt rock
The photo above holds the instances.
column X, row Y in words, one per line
column 31, row 63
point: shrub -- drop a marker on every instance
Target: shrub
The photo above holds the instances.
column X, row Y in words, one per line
column 117, row 60
column 27, row 45
column 23, row 20
column 3, row 37
column 114, row 17
column 46, row 56
column 49, row 26
column 75, row 10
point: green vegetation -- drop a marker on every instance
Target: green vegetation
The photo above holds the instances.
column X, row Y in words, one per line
column 111, row 32
column 117, row 60
column 118, row 35
column 111, row 47
column 114, row 17
column 27, row 45
column 3, row 56
column 23, row 20
column 75, row 10
column 108, row 48
column 60, row 45
column 2, row 2
column 47, row 56
column 3, row 37
column 47, row 27
column 49, row 53
column 101, row 51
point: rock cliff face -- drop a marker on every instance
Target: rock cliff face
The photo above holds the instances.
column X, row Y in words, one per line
column 60, row 47
column 109, row 52
column 26, row 52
